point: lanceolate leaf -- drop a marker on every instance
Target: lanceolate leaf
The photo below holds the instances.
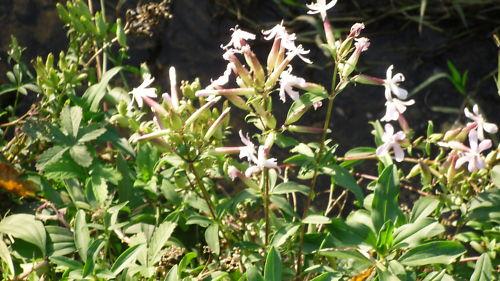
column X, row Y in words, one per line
column 273, row 267
column 290, row 187
column 385, row 201
column 5, row 256
column 82, row 234
column 483, row 271
column 342, row 177
column 212, row 238
column 95, row 93
column 127, row 258
column 437, row 252
column 423, row 208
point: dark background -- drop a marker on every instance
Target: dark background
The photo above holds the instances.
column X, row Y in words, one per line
column 191, row 41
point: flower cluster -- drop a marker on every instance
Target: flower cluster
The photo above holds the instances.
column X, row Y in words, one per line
column 472, row 154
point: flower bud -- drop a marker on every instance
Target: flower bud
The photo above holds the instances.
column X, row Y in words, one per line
column 304, row 129
column 330, row 39
column 415, row 171
column 227, row 150
column 451, row 134
column 199, row 111
column 226, row 92
column 361, row 45
column 238, row 102
column 273, row 54
column 491, row 158
column 256, row 67
column 121, row 120
column 173, row 88
column 217, row 124
column 368, row 80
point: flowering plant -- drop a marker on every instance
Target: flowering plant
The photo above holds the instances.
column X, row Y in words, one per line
column 135, row 183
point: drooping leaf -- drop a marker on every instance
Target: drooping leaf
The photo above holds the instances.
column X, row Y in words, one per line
column 437, row 252
column 25, row 227
column 290, row 187
column 273, row 266
column 342, row 177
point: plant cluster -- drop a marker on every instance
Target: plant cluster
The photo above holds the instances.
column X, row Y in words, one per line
column 132, row 184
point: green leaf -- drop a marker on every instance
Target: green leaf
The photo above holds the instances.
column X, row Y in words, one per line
column 342, row 177
column 212, row 238
column 301, row 105
column 385, row 201
column 95, row 93
column 82, row 234
column 158, row 241
column 483, row 271
column 327, row 276
column 410, row 235
column 273, row 267
column 92, row 253
column 92, row 135
column 283, row 235
column 495, row 175
column 253, row 274
column 290, row 187
column 437, row 252
column 360, row 259
column 435, row 276
column 66, row 263
column 25, row 227
column 316, row 219
column 81, row 155
column 127, row 258
column 70, row 120
column 423, row 208
column 5, row 256
column 50, row 156
column 172, row 275
column 61, row 241
column 120, row 33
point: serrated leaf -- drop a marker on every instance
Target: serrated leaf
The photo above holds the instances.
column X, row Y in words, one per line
column 81, row 155
column 436, row 252
column 92, row 135
column 50, row 156
column 127, row 258
column 160, row 237
column 212, row 238
column 25, row 227
column 273, row 266
column 70, row 119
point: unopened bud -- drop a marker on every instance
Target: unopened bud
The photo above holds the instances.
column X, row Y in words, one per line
column 451, row 134
column 491, row 158
column 368, row 80
column 217, row 124
column 305, row 129
column 199, row 111
column 238, row 102
column 415, row 171
column 226, row 92
column 256, row 67
column 330, row 39
column 273, row 54
column 173, row 88
column 361, row 45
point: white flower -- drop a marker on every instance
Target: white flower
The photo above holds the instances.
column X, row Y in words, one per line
column 233, row 172
column 247, row 151
column 287, row 82
column 278, row 31
column 320, row 7
column 143, row 91
column 473, row 154
column 482, row 125
column 239, row 38
column 394, row 107
column 261, row 162
column 296, row 51
column 391, row 84
column 224, row 78
column 392, row 140
column 362, row 44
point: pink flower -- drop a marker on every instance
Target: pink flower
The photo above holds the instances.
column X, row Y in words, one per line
column 395, row 107
column 472, row 154
column 391, row 141
column 391, row 84
column 247, row 151
column 356, row 29
column 261, row 162
column 482, row 125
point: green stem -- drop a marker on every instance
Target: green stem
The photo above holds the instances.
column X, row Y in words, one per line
column 265, row 186
column 204, row 191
